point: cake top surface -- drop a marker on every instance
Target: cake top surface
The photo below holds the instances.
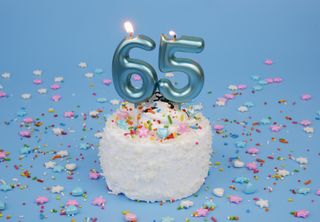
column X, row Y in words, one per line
column 157, row 119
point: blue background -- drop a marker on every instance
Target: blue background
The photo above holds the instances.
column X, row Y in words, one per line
column 55, row 36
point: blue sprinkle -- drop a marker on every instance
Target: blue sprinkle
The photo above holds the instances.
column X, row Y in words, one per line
column 5, row 187
column 248, row 104
column 249, row 188
column 241, row 180
column 84, row 146
column 58, row 169
column 255, row 78
column 122, row 124
column 167, row 219
column 162, row 132
column 241, row 144
column 265, row 121
column 77, row 191
column 304, row 190
column 98, row 71
column 262, row 82
column 71, row 210
column 2, row 205
column 258, row 88
column 101, row 100
column 25, row 150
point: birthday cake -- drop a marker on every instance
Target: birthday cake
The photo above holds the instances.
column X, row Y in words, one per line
column 156, row 151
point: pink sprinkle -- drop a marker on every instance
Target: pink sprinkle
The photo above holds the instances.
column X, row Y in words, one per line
column 252, row 150
column 235, row 199
column 122, row 114
column 269, row 80
column 130, row 217
column 252, row 166
column 242, row 86
column 183, row 128
column 94, row 175
column 56, row 98
column 301, row 213
column 2, row 94
column 72, row 203
column 107, row 81
column 28, row 120
column 25, row 134
column 218, row 127
column 136, row 77
column 55, row 86
column 268, row 62
column 143, row 132
column 201, row 212
column 305, row 122
column 306, row 97
column 69, row 114
column 37, row 81
column 228, row 96
column 99, row 201
column 318, row 192
column 277, row 79
column 275, row 128
column 42, row 200
column 2, row 154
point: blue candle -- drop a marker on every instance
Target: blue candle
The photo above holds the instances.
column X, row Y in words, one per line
column 123, row 67
column 168, row 62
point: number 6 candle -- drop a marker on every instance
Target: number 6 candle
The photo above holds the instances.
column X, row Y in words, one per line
column 123, row 67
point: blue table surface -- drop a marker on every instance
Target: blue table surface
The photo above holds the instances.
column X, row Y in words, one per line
column 55, row 36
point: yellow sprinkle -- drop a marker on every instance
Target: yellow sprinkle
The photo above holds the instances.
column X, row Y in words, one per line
column 217, row 163
column 290, row 200
column 51, row 110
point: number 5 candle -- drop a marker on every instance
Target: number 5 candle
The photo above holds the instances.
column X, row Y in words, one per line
column 123, row 67
column 168, row 62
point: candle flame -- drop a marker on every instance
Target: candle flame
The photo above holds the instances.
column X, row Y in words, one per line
column 129, row 28
column 172, row 33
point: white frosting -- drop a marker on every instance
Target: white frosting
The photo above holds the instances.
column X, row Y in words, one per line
column 153, row 170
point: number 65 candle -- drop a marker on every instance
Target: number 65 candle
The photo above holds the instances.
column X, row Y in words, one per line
column 123, row 67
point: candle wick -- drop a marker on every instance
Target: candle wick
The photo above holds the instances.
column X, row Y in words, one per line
column 175, row 37
column 131, row 35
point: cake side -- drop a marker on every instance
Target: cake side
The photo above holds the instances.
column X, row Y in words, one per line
column 152, row 172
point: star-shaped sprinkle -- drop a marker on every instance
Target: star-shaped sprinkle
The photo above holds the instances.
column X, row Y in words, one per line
column 301, row 213
column 184, row 204
column 275, row 128
column 143, row 132
column 57, row 189
column 26, row 96
column 6, row 75
column 58, row 79
column 82, row 65
column 89, row 75
column 308, row 129
column 50, row 164
column 37, row 72
column 167, row 219
column 42, row 200
column 94, row 175
column 233, row 87
column 302, row 160
column 56, row 98
column 243, row 109
column 235, row 199
column 63, row 153
column 130, row 217
column 42, row 91
column 107, row 82
column 71, row 166
column 72, row 203
column 99, row 201
column 169, row 75
column 306, row 97
column 262, row 203
column 201, row 212
column 268, row 62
